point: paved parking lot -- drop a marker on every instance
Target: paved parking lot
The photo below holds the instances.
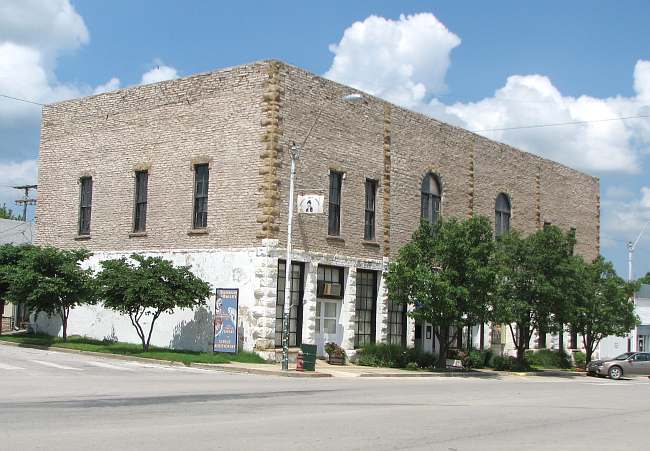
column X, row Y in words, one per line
column 55, row 401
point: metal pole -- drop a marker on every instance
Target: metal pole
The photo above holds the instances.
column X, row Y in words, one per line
column 293, row 152
column 630, row 249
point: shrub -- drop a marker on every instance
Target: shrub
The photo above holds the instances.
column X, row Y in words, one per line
column 486, row 357
column 547, row 358
column 502, row 363
column 474, row 359
column 393, row 356
column 412, row 366
column 580, row 359
column 334, row 350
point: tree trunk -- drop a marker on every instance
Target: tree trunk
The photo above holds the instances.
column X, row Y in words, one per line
column 560, row 338
column 2, row 312
column 588, row 342
column 522, row 344
column 541, row 338
column 482, row 339
column 443, row 338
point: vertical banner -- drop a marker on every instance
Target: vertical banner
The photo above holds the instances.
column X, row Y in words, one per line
column 225, row 320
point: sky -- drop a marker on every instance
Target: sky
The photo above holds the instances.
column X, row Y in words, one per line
column 479, row 65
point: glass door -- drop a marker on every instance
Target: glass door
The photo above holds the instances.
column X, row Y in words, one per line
column 326, row 323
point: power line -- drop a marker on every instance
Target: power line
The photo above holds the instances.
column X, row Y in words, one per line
column 558, row 124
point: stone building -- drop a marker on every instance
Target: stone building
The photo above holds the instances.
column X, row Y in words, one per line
column 196, row 170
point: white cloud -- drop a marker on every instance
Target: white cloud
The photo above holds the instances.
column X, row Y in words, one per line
column 159, row 73
column 14, row 174
column 623, row 219
column 403, row 61
column 110, row 85
column 645, row 199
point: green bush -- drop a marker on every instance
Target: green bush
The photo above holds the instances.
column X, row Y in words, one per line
column 412, row 366
column 502, row 363
column 393, row 356
column 474, row 359
column 547, row 358
column 580, row 359
column 486, row 357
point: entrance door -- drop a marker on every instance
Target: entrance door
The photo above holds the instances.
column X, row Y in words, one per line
column 327, row 313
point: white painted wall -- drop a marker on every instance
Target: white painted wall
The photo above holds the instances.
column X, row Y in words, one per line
column 185, row 328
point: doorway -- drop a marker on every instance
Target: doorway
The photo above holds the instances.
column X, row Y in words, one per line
column 326, row 327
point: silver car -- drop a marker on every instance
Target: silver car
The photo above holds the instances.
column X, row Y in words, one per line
column 629, row 364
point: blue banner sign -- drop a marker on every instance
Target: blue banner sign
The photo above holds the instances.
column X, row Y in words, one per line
column 225, row 320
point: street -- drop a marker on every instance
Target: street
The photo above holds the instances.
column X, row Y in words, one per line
column 58, row 401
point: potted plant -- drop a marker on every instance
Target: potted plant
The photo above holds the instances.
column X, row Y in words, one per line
column 335, row 353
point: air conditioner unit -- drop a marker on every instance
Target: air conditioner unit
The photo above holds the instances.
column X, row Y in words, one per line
column 331, row 289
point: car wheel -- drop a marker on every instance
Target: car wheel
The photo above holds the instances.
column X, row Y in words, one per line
column 615, row 372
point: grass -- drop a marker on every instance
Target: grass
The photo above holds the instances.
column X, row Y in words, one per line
column 88, row 344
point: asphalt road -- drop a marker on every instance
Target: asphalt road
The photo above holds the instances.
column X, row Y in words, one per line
column 57, row 401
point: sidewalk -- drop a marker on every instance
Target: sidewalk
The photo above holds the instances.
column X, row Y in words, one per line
column 323, row 369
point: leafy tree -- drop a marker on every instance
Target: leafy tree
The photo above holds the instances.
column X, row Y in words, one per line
column 7, row 213
column 51, row 280
column 445, row 273
column 148, row 287
column 604, row 307
column 645, row 280
column 9, row 257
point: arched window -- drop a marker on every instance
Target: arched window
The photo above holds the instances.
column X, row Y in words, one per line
column 430, row 196
column 502, row 214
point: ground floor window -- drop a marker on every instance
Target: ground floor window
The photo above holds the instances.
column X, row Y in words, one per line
column 396, row 323
column 365, row 308
column 297, row 288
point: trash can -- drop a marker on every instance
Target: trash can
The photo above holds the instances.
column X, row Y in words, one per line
column 309, row 355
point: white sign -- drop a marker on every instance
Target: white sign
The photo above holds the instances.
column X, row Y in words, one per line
column 310, row 203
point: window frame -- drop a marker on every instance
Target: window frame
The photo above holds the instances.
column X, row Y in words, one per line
column 324, row 274
column 366, row 280
column 141, row 198
column 429, row 199
column 200, row 196
column 396, row 316
column 502, row 217
column 369, row 226
column 85, row 205
column 334, row 211
column 296, row 310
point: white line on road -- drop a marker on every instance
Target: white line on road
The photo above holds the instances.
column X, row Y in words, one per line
column 109, row 366
column 149, row 365
column 54, row 365
column 4, row 366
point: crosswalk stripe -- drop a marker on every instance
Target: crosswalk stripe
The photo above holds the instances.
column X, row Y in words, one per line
column 149, row 365
column 109, row 366
column 4, row 366
column 55, row 365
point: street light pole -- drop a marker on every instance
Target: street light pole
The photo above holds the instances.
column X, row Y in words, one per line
column 631, row 246
column 294, row 153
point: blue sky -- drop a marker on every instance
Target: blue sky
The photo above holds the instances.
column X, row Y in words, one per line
column 477, row 64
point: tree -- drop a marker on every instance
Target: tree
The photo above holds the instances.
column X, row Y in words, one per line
column 148, row 287
column 7, row 213
column 51, row 280
column 604, row 307
column 645, row 280
column 9, row 257
column 445, row 273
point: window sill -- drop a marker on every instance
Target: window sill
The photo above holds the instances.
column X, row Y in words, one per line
column 335, row 238
column 137, row 234
column 193, row 232
column 370, row 243
column 81, row 237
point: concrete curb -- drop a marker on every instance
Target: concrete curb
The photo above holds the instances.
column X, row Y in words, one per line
column 226, row 367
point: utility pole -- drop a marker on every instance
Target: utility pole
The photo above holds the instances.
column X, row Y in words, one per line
column 26, row 200
column 631, row 246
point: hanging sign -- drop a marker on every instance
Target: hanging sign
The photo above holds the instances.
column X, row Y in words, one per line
column 225, row 320
column 310, row 203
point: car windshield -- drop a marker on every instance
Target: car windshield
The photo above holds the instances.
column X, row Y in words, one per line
column 624, row 356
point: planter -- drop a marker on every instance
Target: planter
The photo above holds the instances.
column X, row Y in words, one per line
column 336, row 360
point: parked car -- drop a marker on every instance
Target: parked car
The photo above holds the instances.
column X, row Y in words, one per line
column 628, row 363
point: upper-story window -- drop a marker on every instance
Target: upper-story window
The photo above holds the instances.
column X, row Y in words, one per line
column 201, row 179
column 430, row 196
column 334, row 224
column 369, row 224
column 85, row 204
column 140, row 211
column 502, row 214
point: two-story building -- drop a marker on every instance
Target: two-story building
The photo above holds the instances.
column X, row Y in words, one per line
column 197, row 170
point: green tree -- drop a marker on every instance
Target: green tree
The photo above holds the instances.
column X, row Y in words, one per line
column 9, row 257
column 645, row 280
column 7, row 213
column 445, row 273
column 604, row 307
column 147, row 287
column 51, row 280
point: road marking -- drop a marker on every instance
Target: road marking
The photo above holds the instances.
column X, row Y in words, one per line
column 149, row 365
column 55, row 365
column 109, row 366
column 4, row 366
